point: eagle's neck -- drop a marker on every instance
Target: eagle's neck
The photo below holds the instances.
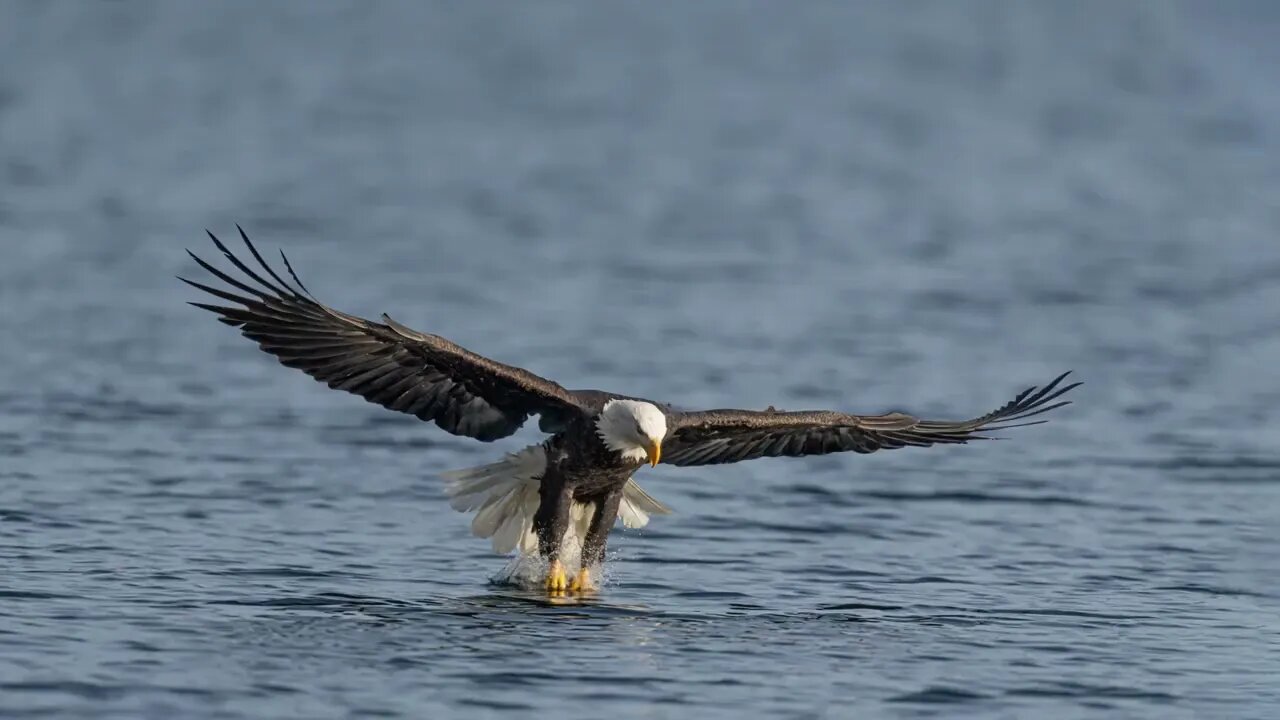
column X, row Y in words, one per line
column 620, row 440
column 634, row 455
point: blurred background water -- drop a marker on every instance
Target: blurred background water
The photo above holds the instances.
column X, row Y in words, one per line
column 877, row 205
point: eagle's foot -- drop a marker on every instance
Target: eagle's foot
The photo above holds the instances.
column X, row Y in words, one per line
column 557, row 581
column 582, row 582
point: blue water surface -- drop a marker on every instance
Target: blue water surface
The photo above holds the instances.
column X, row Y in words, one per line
column 868, row 206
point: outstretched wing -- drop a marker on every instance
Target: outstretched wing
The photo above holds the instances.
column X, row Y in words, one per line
column 385, row 363
column 726, row 436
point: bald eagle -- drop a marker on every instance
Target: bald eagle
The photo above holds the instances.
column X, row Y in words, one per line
column 563, row 495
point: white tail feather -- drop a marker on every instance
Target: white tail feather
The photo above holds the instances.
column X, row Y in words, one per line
column 505, row 497
column 637, row 505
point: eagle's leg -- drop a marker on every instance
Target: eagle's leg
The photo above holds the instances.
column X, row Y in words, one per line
column 593, row 545
column 550, row 523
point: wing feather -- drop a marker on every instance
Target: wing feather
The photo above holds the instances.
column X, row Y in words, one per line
column 384, row 362
column 726, row 436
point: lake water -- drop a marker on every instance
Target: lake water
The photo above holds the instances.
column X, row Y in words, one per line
column 863, row 206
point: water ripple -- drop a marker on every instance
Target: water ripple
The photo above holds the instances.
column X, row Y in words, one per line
column 825, row 205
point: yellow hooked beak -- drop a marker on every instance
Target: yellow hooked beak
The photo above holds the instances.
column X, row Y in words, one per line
column 655, row 452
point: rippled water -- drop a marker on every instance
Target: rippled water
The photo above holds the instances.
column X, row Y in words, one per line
column 859, row 206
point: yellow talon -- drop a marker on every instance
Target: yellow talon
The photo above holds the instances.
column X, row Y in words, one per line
column 582, row 582
column 556, row 579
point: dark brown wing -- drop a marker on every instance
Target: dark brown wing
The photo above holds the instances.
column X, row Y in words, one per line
column 725, row 436
column 385, row 363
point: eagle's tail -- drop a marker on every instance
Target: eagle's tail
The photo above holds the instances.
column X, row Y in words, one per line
column 504, row 496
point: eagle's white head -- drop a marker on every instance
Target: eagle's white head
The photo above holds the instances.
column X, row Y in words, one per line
column 633, row 428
